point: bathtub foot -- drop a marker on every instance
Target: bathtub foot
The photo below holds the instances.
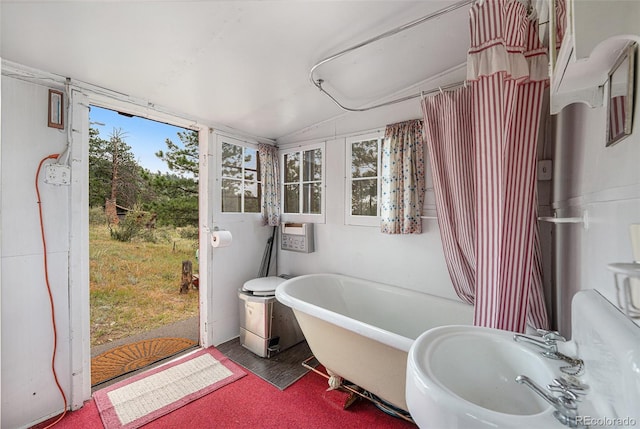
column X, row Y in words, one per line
column 353, row 397
column 335, row 381
column 356, row 392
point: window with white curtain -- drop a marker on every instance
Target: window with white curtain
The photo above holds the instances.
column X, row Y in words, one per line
column 363, row 179
column 303, row 182
column 241, row 189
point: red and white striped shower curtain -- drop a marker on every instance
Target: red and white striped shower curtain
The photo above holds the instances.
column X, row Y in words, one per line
column 617, row 115
column 449, row 138
column 507, row 66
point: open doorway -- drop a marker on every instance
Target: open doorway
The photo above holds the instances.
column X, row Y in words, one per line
column 143, row 242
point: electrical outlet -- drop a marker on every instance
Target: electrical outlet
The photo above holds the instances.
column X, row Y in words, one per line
column 545, row 169
column 57, row 174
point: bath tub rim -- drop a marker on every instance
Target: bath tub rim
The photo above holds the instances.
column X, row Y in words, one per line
column 383, row 336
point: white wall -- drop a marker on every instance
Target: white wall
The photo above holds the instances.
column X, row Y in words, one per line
column 591, row 179
column 28, row 388
column 602, row 181
column 233, row 265
column 0, row 253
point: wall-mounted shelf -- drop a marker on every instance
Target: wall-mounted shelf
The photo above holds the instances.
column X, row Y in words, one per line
column 589, row 50
column 584, row 219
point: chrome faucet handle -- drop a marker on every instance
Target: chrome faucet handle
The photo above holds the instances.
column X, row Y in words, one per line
column 566, row 395
column 575, row 384
column 568, row 401
column 570, row 385
column 550, row 336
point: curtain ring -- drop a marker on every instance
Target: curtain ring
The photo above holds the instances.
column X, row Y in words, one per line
column 441, row 91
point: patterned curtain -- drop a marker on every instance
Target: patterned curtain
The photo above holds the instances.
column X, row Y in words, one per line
column 270, row 176
column 403, row 178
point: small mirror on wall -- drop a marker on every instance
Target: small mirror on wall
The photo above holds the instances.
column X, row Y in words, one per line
column 621, row 90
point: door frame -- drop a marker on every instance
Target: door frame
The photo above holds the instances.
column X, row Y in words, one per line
column 80, row 337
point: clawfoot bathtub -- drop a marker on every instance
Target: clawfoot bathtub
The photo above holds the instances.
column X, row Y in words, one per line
column 362, row 330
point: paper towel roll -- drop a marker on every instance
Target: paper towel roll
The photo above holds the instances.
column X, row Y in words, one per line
column 221, row 239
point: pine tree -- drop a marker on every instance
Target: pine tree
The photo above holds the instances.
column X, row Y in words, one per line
column 182, row 159
column 114, row 175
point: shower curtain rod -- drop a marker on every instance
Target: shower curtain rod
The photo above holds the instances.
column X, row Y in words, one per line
column 395, row 101
column 318, row 82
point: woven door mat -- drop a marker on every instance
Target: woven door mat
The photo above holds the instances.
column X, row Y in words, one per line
column 130, row 357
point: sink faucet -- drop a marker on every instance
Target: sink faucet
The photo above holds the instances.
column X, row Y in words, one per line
column 549, row 343
column 565, row 404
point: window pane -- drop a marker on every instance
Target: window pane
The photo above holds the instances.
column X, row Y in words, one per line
column 292, row 168
column 291, row 198
column 231, row 160
column 252, row 197
column 364, row 159
column 228, row 171
column 231, row 195
column 251, row 165
column 312, row 169
column 364, row 197
column 251, row 175
column 312, row 198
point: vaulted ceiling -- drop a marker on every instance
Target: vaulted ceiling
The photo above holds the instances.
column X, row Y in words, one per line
column 241, row 64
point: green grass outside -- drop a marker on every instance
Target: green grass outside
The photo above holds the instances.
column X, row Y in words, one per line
column 135, row 286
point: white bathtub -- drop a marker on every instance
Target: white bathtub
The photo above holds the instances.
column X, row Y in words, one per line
column 362, row 330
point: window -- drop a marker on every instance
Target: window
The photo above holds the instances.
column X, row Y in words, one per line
column 303, row 181
column 240, row 182
column 363, row 179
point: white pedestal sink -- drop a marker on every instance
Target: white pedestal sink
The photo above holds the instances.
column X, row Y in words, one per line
column 465, row 376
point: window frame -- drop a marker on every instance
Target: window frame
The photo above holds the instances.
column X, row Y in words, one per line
column 244, row 145
column 299, row 216
column 350, row 218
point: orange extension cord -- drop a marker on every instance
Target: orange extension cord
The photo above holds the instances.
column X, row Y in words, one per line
column 46, row 276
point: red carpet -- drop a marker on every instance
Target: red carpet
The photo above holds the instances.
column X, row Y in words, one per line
column 253, row 403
